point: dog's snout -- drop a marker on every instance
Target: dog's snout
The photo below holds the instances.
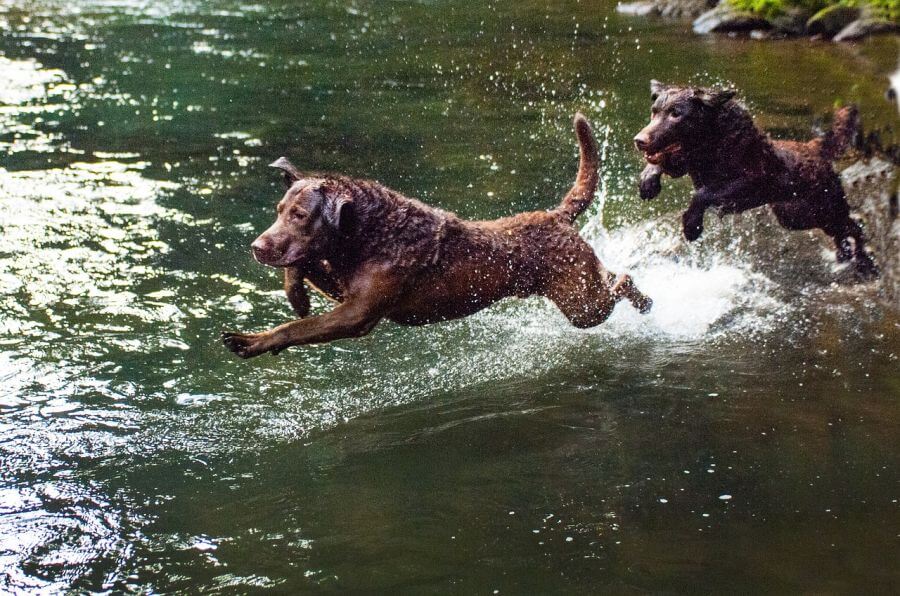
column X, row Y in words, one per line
column 642, row 141
column 262, row 249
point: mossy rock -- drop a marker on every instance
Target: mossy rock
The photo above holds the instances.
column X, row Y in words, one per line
column 684, row 8
column 725, row 18
column 791, row 21
column 862, row 28
column 830, row 20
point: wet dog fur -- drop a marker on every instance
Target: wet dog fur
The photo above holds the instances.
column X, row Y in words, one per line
column 381, row 255
column 708, row 135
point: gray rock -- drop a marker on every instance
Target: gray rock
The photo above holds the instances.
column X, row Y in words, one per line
column 666, row 8
column 724, row 19
column 871, row 188
column 637, row 9
column 866, row 27
column 830, row 20
column 684, row 8
column 791, row 22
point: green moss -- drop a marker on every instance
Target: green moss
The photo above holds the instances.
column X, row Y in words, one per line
column 888, row 9
column 772, row 8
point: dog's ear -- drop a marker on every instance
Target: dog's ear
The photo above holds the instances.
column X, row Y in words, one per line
column 291, row 174
column 714, row 98
column 337, row 210
column 656, row 89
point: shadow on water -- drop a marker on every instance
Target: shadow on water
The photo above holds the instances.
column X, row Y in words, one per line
column 740, row 437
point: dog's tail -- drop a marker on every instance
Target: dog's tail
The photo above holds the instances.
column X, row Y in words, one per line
column 582, row 192
column 843, row 129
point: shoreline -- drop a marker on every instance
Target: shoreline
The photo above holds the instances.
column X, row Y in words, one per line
column 839, row 23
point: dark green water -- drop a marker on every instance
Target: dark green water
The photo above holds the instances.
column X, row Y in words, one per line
column 742, row 438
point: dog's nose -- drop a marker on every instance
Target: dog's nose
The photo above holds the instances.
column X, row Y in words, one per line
column 262, row 250
column 641, row 142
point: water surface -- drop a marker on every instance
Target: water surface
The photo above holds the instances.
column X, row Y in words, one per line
column 742, row 437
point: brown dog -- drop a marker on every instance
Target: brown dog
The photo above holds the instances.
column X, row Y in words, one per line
column 706, row 134
column 382, row 255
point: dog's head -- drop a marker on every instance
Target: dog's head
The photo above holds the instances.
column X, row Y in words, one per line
column 678, row 118
column 312, row 215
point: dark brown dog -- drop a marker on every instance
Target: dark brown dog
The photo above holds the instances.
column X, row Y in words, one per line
column 706, row 134
column 382, row 255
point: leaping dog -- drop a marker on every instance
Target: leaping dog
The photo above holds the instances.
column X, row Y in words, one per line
column 709, row 136
column 381, row 255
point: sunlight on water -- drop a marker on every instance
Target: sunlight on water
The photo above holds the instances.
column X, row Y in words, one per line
column 26, row 80
column 698, row 297
column 78, row 238
column 137, row 454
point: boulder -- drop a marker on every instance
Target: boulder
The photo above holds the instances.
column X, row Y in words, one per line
column 866, row 27
column 684, row 8
column 871, row 188
column 637, row 9
column 830, row 20
column 666, row 8
column 725, row 19
column 791, row 21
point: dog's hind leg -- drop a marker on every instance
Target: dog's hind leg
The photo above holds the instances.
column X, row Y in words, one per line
column 864, row 263
column 587, row 294
column 583, row 306
column 843, row 250
column 842, row 233
column 623, row 287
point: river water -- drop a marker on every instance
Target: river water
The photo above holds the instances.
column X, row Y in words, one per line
column 742, row 437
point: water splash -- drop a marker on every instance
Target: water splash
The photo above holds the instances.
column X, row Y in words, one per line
column 697, row 291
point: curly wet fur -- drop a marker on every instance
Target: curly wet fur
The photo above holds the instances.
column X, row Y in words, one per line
column 381, row 255
column 734, row 166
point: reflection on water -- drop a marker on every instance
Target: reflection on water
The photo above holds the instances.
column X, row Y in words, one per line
column 741, row 436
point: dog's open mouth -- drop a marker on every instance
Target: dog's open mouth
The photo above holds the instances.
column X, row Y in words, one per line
column 657, row 156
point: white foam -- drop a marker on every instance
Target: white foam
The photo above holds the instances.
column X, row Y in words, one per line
column 694, row 294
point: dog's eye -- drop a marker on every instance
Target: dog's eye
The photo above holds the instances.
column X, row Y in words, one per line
column 676, row 113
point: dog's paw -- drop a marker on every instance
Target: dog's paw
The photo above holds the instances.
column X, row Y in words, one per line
column 650, row 187
column 844, row 254
column 644, row 305
column 692, row 233
column 866, row 269
column 692, row 226
column 246, row 345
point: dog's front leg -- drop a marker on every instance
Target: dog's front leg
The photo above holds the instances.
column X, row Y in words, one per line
column 342, row 322
column 692, row 219
column 296, row 290
column 365, row 306
column 651, row 184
